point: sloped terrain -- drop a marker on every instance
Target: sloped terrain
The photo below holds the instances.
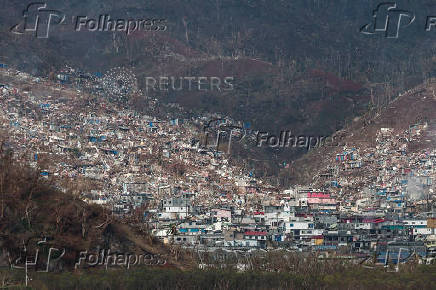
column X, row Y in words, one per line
column 415, row 106
column 32, row 210
column 307, row 72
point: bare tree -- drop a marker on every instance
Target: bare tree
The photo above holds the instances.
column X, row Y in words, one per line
column 185, row 24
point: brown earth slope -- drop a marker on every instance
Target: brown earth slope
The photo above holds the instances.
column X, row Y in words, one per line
column 414, row 106
column 32, row 210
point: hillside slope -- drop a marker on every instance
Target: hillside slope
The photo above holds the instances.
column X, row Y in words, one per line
column 308, row 72
column 32, row 210
column 415, row 106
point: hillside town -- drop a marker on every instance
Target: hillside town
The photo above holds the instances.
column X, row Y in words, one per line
column 369, row 202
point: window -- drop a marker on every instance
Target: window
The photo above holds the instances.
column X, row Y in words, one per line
column 310, row 226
